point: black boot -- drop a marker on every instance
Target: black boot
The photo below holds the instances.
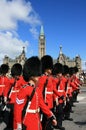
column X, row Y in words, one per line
column 61, row 127
column 68, row 118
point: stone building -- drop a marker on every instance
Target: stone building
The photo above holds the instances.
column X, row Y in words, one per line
column 62, row 58
column 19, row 59
column 65, row 60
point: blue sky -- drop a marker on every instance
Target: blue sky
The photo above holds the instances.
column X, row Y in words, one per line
column 64, row 23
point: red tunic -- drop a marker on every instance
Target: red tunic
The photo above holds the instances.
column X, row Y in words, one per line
column 73, row 84
column 14, row 89
column 50, row 89
column 56, row 95
column 4, row 83
column 61, row 89
column 31, row 119
column 78, row 82
column 69, row 88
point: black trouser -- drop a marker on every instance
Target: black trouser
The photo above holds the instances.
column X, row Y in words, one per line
column 59, row 114
column 44, row 120
column 8, row 116
column 75, row 94
column 46, row 123
column 1, row 108
column 23, row 127
column 67, row 109
column 71, row 103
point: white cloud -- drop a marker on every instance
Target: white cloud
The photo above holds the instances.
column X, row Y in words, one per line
column 83, row 65
column 17, row 10
column 11, row 45
column 12, row 11
column 34, row 32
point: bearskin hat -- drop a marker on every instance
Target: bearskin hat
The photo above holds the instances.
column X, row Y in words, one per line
column 16, row 70
column 0, row 69
column 32, row 67
column 65, row 69
column 57, row 68
column 4, row 68
column 71, row 70
column 47, row 62
column 76, row 69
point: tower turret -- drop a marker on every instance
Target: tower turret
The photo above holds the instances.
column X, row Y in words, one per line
column 41, row 42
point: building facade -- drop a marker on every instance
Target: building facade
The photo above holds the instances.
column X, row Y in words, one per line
column 62, row 58
column 65, row 60
column 19, row 59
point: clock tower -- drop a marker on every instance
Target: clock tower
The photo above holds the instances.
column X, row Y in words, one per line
column 41, row 43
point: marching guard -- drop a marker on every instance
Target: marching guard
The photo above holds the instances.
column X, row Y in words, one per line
column 10, row 94
column 47, row 88
column 30, row 99
column 4, row 83
column 59, row 81
column 67, row 107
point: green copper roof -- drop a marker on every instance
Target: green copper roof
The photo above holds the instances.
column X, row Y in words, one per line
column 42, row 30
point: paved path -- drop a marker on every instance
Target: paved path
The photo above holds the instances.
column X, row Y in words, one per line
column 79, row 115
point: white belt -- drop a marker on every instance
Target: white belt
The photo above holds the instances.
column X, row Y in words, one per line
column 33, row 110
column 2, row 85
column 68, row 87
column 49, row 92
column 60, row 90
column 13, row 91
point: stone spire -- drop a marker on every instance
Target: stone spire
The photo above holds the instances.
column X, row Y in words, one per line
column 42, row 30
column 42, row 43
column 23, row 51
column 60, row 49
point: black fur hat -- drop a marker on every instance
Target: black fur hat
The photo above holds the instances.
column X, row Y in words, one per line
column 57, row 68
column 16, row 70
column 65, row 69
column 76, row 69
column 47, row 62
column 0, row 69
column 4, row 68
column 71, row 70
column 32, row 67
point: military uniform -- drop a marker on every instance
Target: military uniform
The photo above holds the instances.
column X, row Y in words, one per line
column 31, row 119
column 48, row 90
column 32, row 116
column 46, row 84
column 10, row 94
column 4, row 83
column 12, row 90
column 57, row 72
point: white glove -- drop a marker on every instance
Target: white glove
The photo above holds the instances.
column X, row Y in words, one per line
column 5, row 99
column 19, row 126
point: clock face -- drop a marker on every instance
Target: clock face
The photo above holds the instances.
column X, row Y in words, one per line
column 42, row 37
